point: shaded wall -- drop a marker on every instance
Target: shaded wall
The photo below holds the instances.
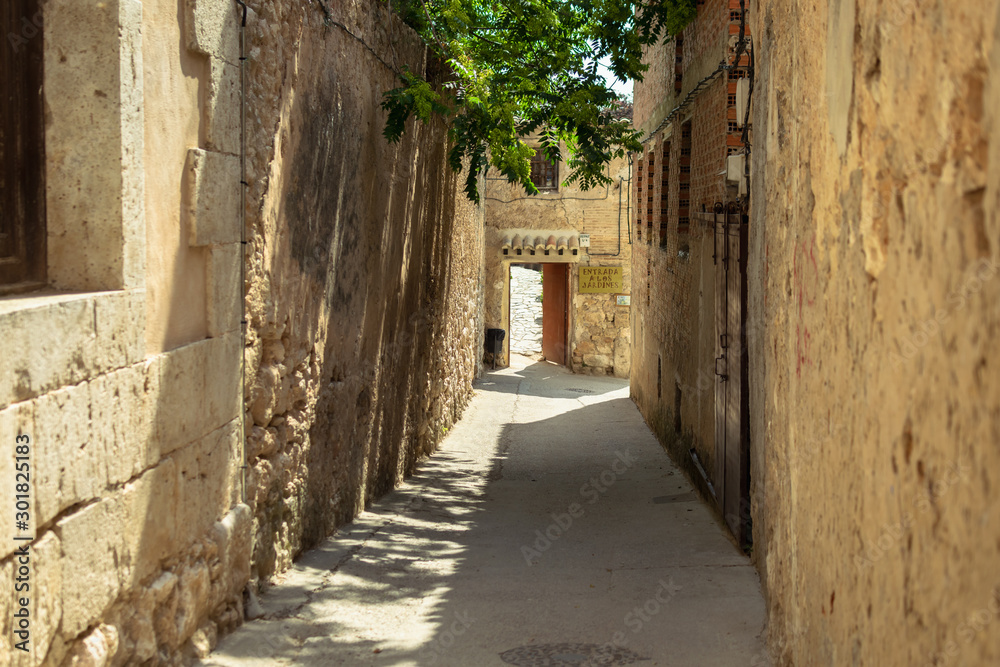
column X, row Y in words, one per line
column 875, row 374
column 364, row 275
column 673, row 378
column 677, row 183
column 124, row 372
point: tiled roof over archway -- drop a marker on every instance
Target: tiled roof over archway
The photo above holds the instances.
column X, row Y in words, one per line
column 539, row 243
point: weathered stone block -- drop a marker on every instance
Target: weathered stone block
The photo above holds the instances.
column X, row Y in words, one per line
column 119, row 322
column 150, row 524
column 15, row 420
column 72, row 466
column 222, row 107
column 46, row 582
column 96, row 649
column 91, row 578
column 213, row 28
column 199, row 390
column 222, row 381
column 192, row 598
column 51, row 341
column 265, row 395
column 122, row 405
column 44, row 601
column 164, row 593
column 94, row 144
column 224, row 289
column 232, row 535
column 212, row 197
column 207, row 481
column 598, row 360
column 48, row 343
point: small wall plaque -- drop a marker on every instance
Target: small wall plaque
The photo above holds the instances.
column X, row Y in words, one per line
column 584, row 240
column 624, row 299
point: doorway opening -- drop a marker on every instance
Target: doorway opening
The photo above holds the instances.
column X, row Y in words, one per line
column 539, row 311
column 526, row 310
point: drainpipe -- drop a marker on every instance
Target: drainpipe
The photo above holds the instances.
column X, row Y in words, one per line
column 628, row 202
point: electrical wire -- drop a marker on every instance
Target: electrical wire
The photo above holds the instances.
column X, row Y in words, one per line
column 534, row 197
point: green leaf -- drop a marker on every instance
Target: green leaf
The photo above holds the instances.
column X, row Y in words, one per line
column 521, row 67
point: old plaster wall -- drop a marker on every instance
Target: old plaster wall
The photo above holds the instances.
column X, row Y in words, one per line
column 600, row 330
column 875, row 391
column 364, row 274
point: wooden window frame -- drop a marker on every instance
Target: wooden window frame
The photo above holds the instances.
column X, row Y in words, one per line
column 22, row 149
column 544, row 173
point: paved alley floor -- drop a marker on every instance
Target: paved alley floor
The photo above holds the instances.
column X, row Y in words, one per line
column 525, row 311
column 550, row 529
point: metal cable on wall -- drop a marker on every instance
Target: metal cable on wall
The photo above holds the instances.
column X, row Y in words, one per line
column 243, row 249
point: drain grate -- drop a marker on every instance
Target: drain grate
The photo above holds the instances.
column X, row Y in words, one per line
column 579, row 655
column 581, row 391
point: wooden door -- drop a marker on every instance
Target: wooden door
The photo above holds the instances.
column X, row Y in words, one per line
column 732, row 446
column 720, row 256
column 555, row 291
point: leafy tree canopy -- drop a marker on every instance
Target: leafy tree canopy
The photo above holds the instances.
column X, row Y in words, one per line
column 519, row 67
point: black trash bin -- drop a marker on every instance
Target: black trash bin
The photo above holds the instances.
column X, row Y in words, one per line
column 494, row 343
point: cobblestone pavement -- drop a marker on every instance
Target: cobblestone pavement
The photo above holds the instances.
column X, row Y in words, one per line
column 549, row 529
column 525, row 311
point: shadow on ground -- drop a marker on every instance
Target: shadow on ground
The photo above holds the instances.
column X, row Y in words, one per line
column 550, row 520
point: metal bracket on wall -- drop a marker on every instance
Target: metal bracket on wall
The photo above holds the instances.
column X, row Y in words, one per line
column 721, row 375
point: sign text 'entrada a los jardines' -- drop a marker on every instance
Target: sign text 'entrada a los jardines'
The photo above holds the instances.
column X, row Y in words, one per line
column 600, row 279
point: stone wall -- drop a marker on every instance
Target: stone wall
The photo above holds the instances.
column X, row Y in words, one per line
column 364, row 274
column 875, row 391
column 599, row 336
column 365, row 321
column 124, row 372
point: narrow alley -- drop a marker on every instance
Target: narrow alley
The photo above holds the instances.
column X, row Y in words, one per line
column 535, row 333
column 550, row 529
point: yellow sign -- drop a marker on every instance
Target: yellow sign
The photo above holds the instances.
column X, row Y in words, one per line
column 600, row 279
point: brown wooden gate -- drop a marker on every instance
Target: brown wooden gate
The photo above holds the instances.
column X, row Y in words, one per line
column 732, row 442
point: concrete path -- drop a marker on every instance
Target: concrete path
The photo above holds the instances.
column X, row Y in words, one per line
column 550, row 529
column 525, row 311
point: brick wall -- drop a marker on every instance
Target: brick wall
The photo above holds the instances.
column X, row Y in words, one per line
column 673, row 379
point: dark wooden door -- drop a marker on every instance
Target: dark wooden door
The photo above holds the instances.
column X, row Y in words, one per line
column 555, row 289
column 732, row 471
